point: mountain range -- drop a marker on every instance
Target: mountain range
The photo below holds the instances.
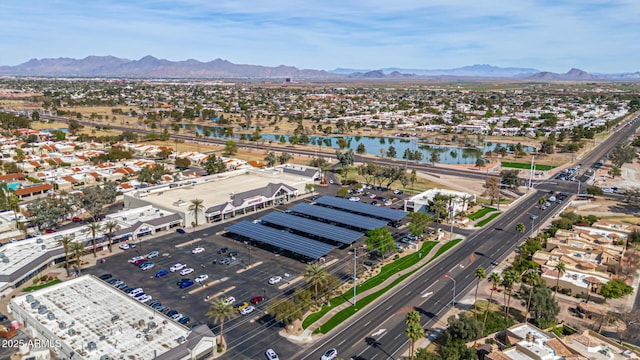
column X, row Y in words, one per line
column 151, row 67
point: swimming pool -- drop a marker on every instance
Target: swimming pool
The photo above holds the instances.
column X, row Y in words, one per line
column 13, row 186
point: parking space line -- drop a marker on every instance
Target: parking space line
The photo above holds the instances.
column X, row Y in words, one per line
column 220, row 293
column 188, row 242
column 290, row 282
column 249, row 267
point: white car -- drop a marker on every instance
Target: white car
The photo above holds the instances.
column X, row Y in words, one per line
column 197, row 250
column 274, row 280
column 248, row 310
column 354, row 199
column 186, row 271
column 136, row 258
column 373, row 196
column 201, row 278
column 176, row 317
column 388, row 203
column 124, row 246
column 330, row 354
column 177, row 267
column 229, row 300
column 145, row 298
column 136, row 292
column 271, row 355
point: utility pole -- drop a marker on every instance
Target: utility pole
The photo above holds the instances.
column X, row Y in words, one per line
column 499, row 185
column 532, row 170
column 451, row 212
column 453, row 300
column 355, row 278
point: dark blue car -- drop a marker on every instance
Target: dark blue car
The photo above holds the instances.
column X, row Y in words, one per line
column 162, row 272
column 181, row 231
column 186, row 284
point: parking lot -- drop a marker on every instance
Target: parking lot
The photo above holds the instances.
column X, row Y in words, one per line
column 247, row 336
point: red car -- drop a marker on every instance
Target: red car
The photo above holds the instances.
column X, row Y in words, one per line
column 49, row 231
column 76, row 219
column 138, row 262
column 257, row 299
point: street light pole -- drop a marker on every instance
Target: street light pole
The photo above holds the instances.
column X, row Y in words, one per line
column 355, row 278
column 451, row 214
column 453, row 300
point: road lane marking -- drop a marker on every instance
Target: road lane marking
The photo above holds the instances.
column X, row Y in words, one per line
column 427, row 294
column 380, row 331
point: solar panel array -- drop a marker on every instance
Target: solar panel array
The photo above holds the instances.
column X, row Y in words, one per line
column 327, row 231
column 362, row 208
column 339, row 217
column 282, row 239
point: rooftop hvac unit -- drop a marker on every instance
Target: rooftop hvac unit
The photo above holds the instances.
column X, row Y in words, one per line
column 30, row 298
column 106, row 357
column 5, row 260
column 141, row 322
column 2, row 254
column 35, row 304
column 159, row 331
column 39, row 241
column 62, row 325
column 115, row 318
column 43, row 247
column 149, row 337
column 71, row 332
column 51, row 316
column 181, row 339
column 42, row 309
column 91, row 346
column 151, row 324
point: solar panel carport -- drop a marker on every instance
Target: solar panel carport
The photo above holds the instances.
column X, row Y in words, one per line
column 312, row 227
column 339, row 217
column 361, row 208
column 282, row 239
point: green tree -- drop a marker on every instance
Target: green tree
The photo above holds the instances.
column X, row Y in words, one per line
column 510, row 178
column 434, row 157
column 480, row 163
column 439, row 206
column 93, row 228
column 219, row 311
column 520, row 229
column 284, row 158
column 420, row 222
column 342, row 192
column 623, row 153
column 195, row 208
column 215, row 165
column 65, row 242
column 77, row 249
column 230, row 147
column 13, row 203
column 380, row 240
column 182, row 163
column 413, row 177
column 414, row 329
column 345, row 159
column 391, row 152
column 532, row 278
column 491, row 188
column 544, row 309
column 95, row 198
column 285, row 311
column 361, row 149
column 109, row 227
column 270, row 159
column 480, row 274
column 509, row 279
column 560, row 268
column 615, row 289
column 614, row 172
column 316, row 276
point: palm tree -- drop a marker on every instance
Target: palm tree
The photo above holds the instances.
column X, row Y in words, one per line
column 219, row 312
column 65, row 242
column 480, row 275
column 413, row 177
column 532, row 278
column 14, row 205
column 324, row 167
column 494, row 279
column 439, row 206
column 109, row 227
column 561, row 268
column 94, row 228
column 541, row 202
column 509, row 279
column 315, row 275
column 520, row 229
column 77, row 249
column 195, row 208
column 414, row 329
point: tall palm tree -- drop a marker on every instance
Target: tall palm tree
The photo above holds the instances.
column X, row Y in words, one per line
column 532, row 278
column 94, row 228
column 509, row 279
column 414, row 329
column 439, row 206
column 195, row 208
column 109, row 227
column 315, row 275
column 77, row 249
column 480, row 275
column 219, row 311
column 14, row 205
column 65, row 242
column 495, row 280
column 541, row 202
column 520, row 229
column 561, row 268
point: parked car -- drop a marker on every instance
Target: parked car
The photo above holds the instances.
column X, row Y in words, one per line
column 139, row 262
column 186, row 271
column 257, row 299
column 3, row 317
column 225, row 261
column 122, row 285
column 233, row 253
column 136, row 258
column 161, row 273
column 201, row 278
column 197, row 250
column 229, row 300
column 177, row 267
column 186, row 284
column 146, row 266
column 176, row 317
column 170, row 313
column 49, row 231
column 124, row 246
column 105, row 276
column 275, row 279
column 223, row 250
column 241, row 305
column 181, row 231
column 76, row 219
column 113, row 281
column 184, row 320
column 152, row 254
column 247, row 310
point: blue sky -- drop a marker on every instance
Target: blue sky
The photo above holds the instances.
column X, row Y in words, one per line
column 554, row 35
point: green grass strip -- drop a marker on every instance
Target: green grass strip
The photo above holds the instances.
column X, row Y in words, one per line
column 517, row 165
column 488, row 219
column 346, row 313
column 480, row 213
column 38, row 287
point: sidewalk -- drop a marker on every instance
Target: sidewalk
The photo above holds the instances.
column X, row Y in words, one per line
column 307, row 334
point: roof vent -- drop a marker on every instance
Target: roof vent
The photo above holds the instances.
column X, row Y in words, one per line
column 43, row 247
column 5, row 260
column 151, row 324
column 91, row 346
column 30, row 298
column 181, row 339
column 62, row 325
column 51, row 316
column 71, row 332
column 42, row 309
column 35, row 304
column 39, row 241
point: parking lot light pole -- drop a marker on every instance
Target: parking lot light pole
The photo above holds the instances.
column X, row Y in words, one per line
column 453, row 300
column 249, row 248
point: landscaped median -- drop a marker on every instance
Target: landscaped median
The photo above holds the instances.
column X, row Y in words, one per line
column 385, row 273
column 488, row 219
column 517, row 165
column 480, row 213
